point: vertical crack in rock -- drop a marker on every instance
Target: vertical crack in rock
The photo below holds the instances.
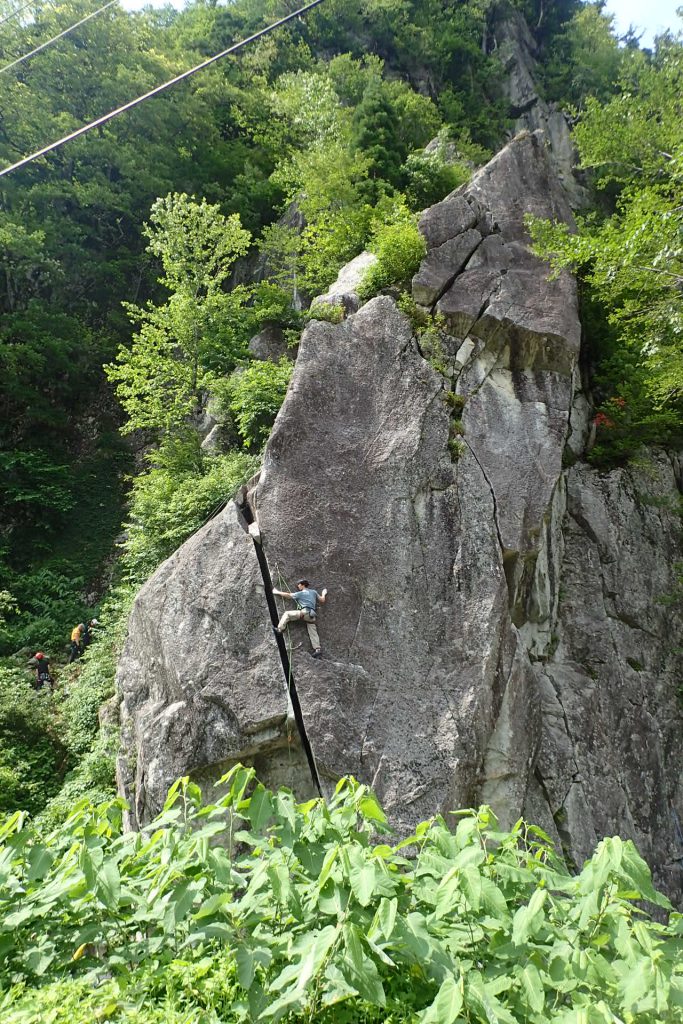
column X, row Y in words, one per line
column 503, row 552
column 247, row 515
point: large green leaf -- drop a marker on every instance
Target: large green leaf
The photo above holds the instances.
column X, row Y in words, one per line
column 359, row 969
column 532, row 986
column 362, row 875
column 447, row 1004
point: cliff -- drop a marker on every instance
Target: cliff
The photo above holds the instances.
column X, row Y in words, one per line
column 494, row 629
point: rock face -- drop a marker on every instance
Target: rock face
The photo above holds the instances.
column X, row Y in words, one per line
column 610, row 758
column 516, row 49
column 344, row 291
column 485, row 636
column 270, row 343
column 199, row 629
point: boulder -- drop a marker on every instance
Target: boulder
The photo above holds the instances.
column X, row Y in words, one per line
column 269, row 344
column 344, row 291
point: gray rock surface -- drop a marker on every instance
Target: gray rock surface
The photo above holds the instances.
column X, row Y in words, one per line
column 198, row 631
column 523, row 335
column 516, row 48
column 492, row 630
column 270, row 343
column 610, row 759
column 367, row 501
column 344, row 291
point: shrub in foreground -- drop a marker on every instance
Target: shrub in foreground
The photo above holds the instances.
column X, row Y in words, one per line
column 260, row 908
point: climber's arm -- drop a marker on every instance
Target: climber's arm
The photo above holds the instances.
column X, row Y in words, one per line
column 282, row 593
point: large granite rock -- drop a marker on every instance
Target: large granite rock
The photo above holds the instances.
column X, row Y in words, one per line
column 520, row 329
column 482, row 637
column 359, row 493
column 344, row 291
column 199, row 630
column 610, row 759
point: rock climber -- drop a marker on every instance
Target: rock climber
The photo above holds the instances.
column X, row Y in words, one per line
column 76, row 642
column 306, row 600
column 42, row 667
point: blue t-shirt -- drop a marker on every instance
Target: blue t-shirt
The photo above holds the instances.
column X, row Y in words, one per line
column 306, row 599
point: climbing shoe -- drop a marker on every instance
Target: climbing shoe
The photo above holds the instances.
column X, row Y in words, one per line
column 317, row 654
column 278, row 632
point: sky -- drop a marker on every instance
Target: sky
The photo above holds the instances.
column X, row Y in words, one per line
column 651, row 15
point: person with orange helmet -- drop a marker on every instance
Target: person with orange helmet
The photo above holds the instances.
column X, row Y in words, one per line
column 41, row 663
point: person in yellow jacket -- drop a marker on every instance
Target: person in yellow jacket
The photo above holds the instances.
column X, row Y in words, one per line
column 76, row 642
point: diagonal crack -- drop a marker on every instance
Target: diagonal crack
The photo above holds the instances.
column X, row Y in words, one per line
column 248, row 517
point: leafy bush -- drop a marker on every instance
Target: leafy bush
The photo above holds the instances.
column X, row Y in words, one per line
column 327, row 312
column 167, row 506
column 449, row 163
column 259, row 908
column 253, row 395
column 399, row 248
column 93, row 777
column 32, row 755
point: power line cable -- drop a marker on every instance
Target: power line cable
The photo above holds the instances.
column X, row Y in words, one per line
column 61, row 35
column 20, row 10
column 159, row 88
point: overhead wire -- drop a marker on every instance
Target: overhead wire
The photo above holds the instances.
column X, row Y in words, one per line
column 60, row 35
column 157, row 89
column 17, row 12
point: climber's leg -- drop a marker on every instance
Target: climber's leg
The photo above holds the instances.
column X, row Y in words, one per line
column 291, row 616
column 313, row 634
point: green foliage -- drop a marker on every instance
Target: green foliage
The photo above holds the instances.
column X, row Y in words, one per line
column 52, row 749
column 632, row 260
column 585, row 59
column 253, row 396
column 259, row 908
column 167, row 505
column 399, row 248
column 327, row 312
column 50, row 594
column 7, row 605
column 376, row 134
column 432, row 175
column 160, row 380
column 32, row 756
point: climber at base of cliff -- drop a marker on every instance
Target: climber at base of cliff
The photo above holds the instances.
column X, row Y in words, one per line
column 306, row 604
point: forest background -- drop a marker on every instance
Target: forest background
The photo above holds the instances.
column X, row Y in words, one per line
column 139, row 260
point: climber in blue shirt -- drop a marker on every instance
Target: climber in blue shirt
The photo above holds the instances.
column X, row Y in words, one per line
column 306, row 600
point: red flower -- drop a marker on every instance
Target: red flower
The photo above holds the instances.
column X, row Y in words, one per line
column 601, row 420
